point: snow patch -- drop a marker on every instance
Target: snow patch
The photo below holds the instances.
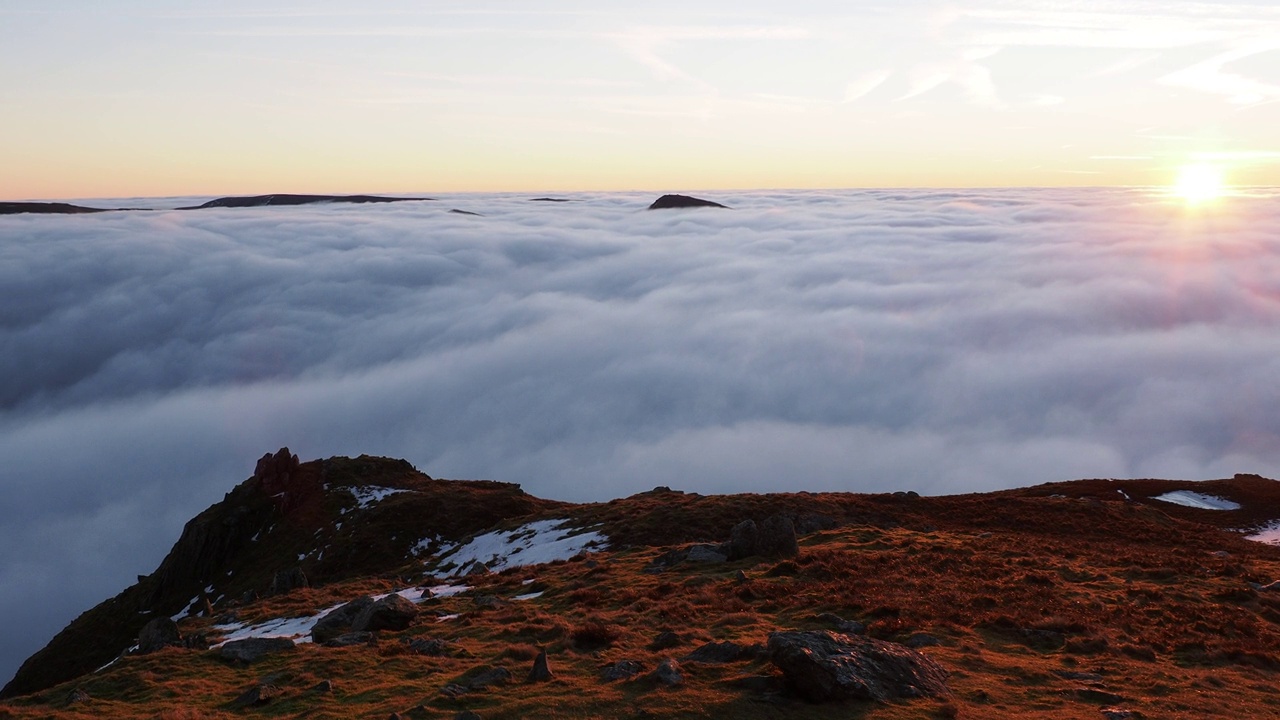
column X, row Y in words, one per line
column 538, row 542
column 528, row 596
column 1269, row 533
column 367, row 495
column 1197, row 500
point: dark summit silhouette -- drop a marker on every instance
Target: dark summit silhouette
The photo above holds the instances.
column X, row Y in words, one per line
column 287, row 199
column 667, row 202
column 43, row 208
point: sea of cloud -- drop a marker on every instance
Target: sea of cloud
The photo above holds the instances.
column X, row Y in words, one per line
column 936, row 341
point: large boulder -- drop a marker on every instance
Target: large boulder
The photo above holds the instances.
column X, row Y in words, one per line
column 159, row 633
column 744, row 540
column 339, row 620
column 778, row 537
column 392, row 612
column 252, row 650
column 285, row 580
column 823, row 665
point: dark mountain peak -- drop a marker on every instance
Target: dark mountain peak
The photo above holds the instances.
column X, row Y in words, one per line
column 288, row 199
column 667, row 202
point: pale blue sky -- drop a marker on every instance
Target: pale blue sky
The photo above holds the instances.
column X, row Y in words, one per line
column 166, row 98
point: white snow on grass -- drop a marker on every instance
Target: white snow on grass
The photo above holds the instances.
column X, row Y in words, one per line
column 1197, row 500
column 1269, row 533
column 538, row 542
column 367, row 495
column 528, row 596
column 298, row 629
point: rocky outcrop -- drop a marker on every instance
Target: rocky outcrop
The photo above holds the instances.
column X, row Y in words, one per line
column 822, row 665
column 667, row 202
column 282, row 482
column 286, row 580
column 774, row 538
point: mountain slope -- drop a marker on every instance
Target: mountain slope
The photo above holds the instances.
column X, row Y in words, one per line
column 1059, row 600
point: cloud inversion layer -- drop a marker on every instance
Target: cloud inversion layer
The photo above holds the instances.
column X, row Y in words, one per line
column 861, row 340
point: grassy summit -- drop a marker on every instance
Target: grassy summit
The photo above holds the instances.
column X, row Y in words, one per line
column 1069, row 600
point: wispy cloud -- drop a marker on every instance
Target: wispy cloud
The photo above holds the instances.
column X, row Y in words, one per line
column 1211, row 76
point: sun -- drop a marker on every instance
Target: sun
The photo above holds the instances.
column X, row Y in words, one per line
column 1199, row 183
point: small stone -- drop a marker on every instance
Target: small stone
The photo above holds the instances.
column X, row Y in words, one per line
column 621, row 670
column 252, row 650
column 324, row 686
column 257, row 695
column 351, row 639
column 77, row 696
column 740, row 577
column 491, row 676
column 665, row 640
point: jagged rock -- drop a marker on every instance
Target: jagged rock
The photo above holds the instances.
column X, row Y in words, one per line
column 667, row 673
column 850, row 627
column 338, row 621
column 281, row 480
column 324, row 686
column 392, row 612
column 477, row 568
column 823, row 665
column 541, row 671
column 252, row 650
column 351, row 639
column 682, row 201
column 621, row 670
column 258, row 695
column 430, row 647
column 286, row 580
column 491, row 676
column 157, row 634
column 721, row 652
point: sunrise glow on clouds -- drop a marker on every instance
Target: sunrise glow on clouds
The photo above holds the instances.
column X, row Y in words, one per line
column 156, row 98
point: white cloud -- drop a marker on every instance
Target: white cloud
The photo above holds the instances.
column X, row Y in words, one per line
column 941, row 341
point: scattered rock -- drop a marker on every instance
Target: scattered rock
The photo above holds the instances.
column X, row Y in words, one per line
column 744, row 540
column 1094, row 695
column 722, row 652
column 665, row 640
column 252, row 650
column 621, row 670
column 823, row 665
column 352, row 639
column 919, row 640
column 431, row 647
column 1081, row 676
column 541, row 671
column 477, row 568
column 489, row 676
column 159, row 633
column 77, row 696
column 198, row 641
column 705, row 554
column 740, row 577
column 257, row 696
column 338, row 622
column 778, row 537
column 667, row 202
column 324, row 686
column 392, row 612
column 286, row 580
column 849, row 627
column 488, row 601
column 667, row 673
column 453, row 690
column 1113, row 713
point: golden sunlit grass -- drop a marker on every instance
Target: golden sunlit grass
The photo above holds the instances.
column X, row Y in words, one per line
column 1197, row 184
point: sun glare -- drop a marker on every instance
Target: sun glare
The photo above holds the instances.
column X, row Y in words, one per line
column 1199, row 183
